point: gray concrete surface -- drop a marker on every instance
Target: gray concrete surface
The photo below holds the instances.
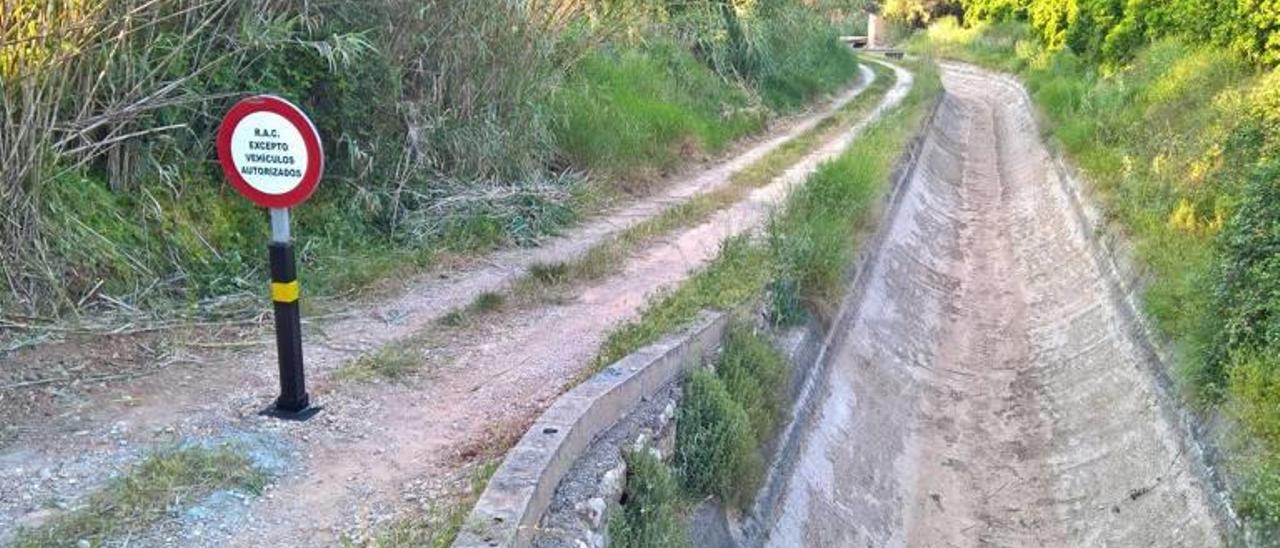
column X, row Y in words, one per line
column 521, row 489
column 991, row 389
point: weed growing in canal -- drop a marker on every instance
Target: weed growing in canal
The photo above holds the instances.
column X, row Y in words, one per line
column 717, row 452
column 755, row 376
column 652, row 506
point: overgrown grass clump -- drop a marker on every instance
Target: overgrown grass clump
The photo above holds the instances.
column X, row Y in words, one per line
column 631, row 112
column 1180, row 144
column 717, row 452
column 653, row 508
column 155, row 489
column 724, row 419
column 727, row 416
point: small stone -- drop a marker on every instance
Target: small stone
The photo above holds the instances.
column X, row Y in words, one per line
column 83, row 543
column 668, row 412
column 597, row 540
column 593, row 511
column 612, row 482
column 642, row 439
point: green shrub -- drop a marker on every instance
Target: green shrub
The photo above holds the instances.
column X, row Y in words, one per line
column 755, row 375
column 1247, row 287
column 716, row 451
column 804, row 59
column 652, row 513
column 627, row 111
column 1253, row 399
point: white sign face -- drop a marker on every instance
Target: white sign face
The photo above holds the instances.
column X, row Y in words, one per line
column 269, row 152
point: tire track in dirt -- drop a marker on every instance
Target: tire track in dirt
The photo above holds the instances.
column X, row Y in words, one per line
column 512, row 371
column 373, row 441
column 93, row 435
column 989, row 392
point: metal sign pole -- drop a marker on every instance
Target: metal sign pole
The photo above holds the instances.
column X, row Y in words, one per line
column 271, row 153
column 293, row 401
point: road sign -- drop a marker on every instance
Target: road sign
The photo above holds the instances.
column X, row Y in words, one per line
column 270, row 151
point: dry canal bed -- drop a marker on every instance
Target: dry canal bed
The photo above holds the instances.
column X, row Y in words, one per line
column 991, row 390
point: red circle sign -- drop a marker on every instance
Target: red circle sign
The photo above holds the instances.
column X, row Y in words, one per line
column 270, row 151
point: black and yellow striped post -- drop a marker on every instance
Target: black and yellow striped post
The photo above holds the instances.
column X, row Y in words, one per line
column 293, row 402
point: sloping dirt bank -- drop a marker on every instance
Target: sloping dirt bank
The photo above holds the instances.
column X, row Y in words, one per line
column 991, row 390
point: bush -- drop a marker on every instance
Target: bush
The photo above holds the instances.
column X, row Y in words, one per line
column 755, row 376
column 1254, row 400
column 651, row 513
column 1247, row 287
column 1112, row 31
column 631, row 112
column 804, row 59
column 716, row 450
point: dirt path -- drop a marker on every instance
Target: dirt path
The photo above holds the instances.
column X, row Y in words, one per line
column 502, row 378
column 989, row 392
column 381, row 447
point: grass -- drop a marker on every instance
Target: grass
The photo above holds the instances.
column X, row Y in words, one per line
column 147, row 493
column 652, row 506
column 717, row 454
column 723, row 420
column 755, row 376
column 393, row 361
column 449, row 130
column 726, row 417
column 634, row 113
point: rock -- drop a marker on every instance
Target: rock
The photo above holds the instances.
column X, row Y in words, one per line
column 593, row 511
column 612, row 482
column 642, row 440
column 666, row 441
column 597, row 540
column 82, row 543
column 668, row 413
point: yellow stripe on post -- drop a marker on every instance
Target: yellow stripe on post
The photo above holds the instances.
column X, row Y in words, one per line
column 285, row 292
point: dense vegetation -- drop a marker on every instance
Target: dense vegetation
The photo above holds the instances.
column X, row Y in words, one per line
column 1172, row 112
column 449, row 126
column 725, row 417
